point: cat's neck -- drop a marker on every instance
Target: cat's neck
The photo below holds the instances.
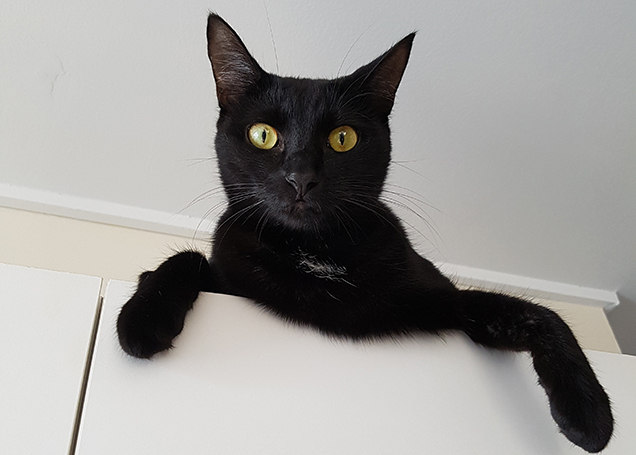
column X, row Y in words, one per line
column 334, row 239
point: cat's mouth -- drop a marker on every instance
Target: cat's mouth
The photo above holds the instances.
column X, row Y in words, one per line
column 300, row 207
column 299, row 204
column 302, row 213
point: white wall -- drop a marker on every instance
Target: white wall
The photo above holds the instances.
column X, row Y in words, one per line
column 515, row 118
column 118, row 253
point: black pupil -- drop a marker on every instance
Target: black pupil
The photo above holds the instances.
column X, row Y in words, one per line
column 341, row 137
column 264, row 135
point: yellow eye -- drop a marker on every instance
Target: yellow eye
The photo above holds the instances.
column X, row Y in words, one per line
column 343, row 139
column 263, row 136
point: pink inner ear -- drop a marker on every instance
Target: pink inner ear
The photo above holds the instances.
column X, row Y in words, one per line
column 389, row 69
column 381, row 78
column 235, row 70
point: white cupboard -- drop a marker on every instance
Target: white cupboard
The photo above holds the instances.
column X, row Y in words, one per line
column 46, row 320
column 240, row 381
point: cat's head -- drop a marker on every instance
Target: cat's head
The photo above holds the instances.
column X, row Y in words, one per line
column 304, row 154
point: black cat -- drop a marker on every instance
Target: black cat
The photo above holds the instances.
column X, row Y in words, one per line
column 305, row 235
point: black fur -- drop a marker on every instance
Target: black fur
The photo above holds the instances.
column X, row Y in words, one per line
column 306, row 236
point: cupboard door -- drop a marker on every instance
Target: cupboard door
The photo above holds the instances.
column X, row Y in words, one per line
column 46, row 322
column 240, row 381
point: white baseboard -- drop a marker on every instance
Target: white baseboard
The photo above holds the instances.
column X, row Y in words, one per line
column 529, row 287
column 98, row 211
column 176, row 224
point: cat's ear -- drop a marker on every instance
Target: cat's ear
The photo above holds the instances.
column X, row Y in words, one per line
column 382, row 76
column 235, row 70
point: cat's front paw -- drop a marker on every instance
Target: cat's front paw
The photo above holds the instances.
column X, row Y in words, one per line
column 142, row 331
column 155, row 314
column 145, row 326
column 152, row 318
column 582, row 410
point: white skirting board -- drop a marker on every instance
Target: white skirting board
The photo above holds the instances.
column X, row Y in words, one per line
column 178, row 224
column 529, row 287
column 99, row 211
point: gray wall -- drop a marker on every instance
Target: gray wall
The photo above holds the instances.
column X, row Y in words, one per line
column 515, row 120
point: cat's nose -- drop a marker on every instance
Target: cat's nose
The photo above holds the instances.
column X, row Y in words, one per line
column 302, row 183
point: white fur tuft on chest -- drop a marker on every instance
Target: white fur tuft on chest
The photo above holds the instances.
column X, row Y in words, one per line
column 320, row 268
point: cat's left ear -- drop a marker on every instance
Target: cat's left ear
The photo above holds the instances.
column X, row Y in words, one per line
column 235, row 70
column 382, row 76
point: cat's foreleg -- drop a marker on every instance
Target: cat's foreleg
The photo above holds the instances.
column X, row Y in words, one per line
column 155, row 314
column 578, row 403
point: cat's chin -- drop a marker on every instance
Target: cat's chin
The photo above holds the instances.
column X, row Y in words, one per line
column 301, row 216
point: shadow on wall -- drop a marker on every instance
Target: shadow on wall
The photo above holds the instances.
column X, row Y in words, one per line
column 622, row 321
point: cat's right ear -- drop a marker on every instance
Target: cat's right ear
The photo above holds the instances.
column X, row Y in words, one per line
column 381, row 77
column 235, row 70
